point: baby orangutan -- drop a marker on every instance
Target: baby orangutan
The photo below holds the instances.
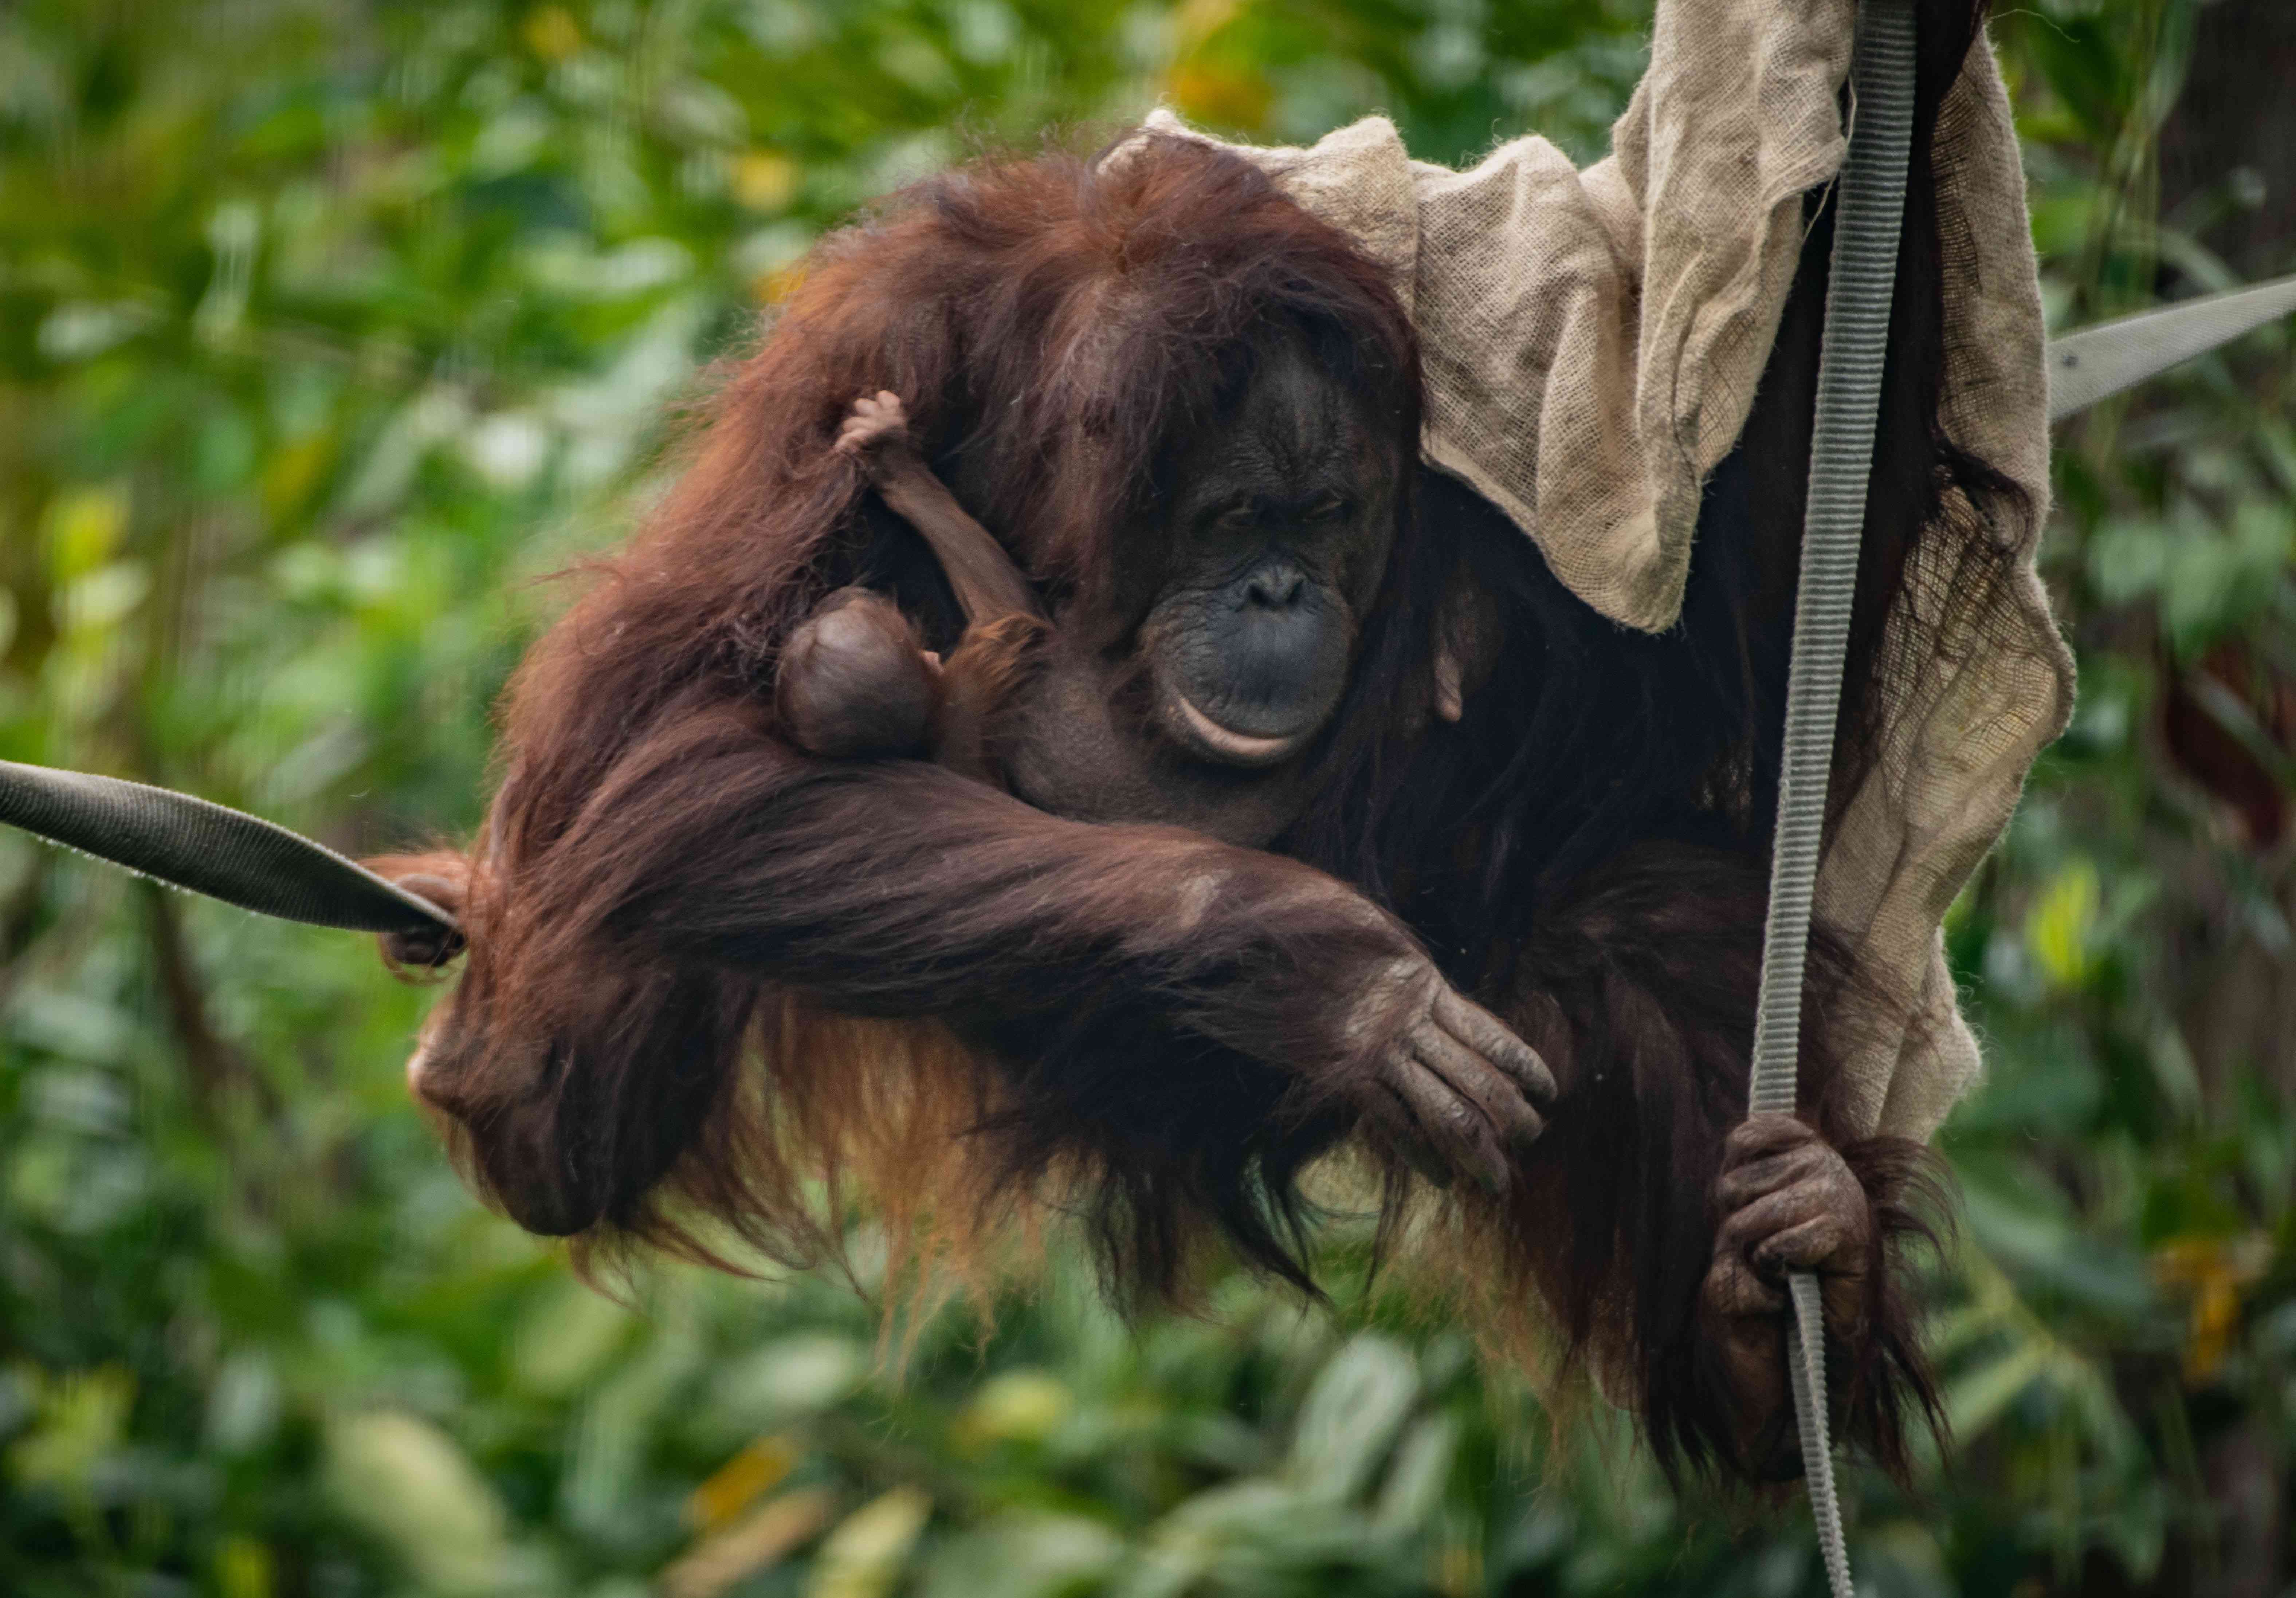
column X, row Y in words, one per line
column 855, row 680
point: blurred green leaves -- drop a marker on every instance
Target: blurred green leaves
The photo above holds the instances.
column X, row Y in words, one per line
column 406, row 1483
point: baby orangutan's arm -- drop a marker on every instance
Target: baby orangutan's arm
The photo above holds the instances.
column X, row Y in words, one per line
column 989, row 585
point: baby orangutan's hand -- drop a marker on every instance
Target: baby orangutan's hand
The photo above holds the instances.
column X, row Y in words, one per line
column 876, row 430
column 988, row 586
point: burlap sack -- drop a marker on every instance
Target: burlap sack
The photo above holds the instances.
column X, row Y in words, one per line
column 1592, row 341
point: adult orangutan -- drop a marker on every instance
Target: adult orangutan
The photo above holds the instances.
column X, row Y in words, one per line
column 1317, row 808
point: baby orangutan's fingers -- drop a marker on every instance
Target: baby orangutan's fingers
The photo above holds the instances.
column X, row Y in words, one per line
column 874, row 419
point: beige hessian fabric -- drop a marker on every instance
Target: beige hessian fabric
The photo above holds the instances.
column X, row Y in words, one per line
column 1592, row 341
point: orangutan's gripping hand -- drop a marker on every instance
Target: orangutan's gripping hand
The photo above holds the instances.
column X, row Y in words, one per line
column 1452, row 1088
column 1787, row 1202
column 444, row 880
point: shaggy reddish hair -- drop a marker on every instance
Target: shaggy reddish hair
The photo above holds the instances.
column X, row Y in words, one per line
column 715, row 987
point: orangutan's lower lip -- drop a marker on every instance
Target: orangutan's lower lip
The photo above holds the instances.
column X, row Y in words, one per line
column 1236, row 749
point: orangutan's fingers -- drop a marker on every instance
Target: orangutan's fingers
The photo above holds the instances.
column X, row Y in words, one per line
column 1488, row 1036
column 1770, row 1132
column 1740, row 1186
column 1745, row 1231
column 1451, row 1123
column 433, row 945
column 1393, row 1117
column 874, row 420
column 1815, row 1244
column 422, row 948
column 1733, row 1289
column 1474, row 1076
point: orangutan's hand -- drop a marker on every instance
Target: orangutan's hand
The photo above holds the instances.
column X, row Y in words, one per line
column 1453, row 1089
column 1787, row 1202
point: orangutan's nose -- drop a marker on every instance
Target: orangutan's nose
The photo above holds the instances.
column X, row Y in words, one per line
column 1275, row 586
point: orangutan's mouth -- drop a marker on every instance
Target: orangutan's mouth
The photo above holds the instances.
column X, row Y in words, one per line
column 1210, row 740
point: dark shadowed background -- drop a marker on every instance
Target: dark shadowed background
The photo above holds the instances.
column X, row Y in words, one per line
column 329, row 327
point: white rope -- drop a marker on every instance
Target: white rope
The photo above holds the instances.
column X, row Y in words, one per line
column 1871, row 198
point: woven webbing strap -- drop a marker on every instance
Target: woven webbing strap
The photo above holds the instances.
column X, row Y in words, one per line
column 227, row 854
column 1871, row 197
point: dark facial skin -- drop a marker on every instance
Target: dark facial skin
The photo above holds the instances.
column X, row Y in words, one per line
column 1250, row 595
column 1279, row 533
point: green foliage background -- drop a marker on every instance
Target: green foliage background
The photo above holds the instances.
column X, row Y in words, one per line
column 329, row 327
